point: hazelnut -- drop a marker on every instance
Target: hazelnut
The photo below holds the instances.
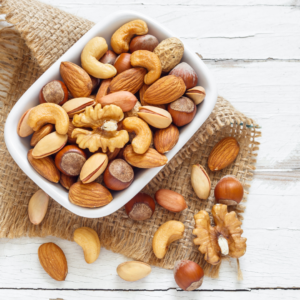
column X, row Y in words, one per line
column 143, row 42
column 67, row 181
column 188, row 275
column 170, row 200
column 70, row 160
column 95, row 84
column 54, row 92
column 187, row 73
column 109, row 57
column 166, row 139
column 118, row 175
column 229, row 191
column 122, row 63
column 183, row 111
column 140, row 208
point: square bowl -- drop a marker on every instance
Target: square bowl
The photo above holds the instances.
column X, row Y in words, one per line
column 18, row 147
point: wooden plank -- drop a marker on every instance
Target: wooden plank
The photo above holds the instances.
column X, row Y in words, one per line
column 146, row 295
column 238, row 32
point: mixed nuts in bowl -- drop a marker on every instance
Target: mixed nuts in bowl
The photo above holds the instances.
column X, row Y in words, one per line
column 120, row 113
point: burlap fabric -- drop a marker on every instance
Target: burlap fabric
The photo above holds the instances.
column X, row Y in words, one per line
column 39, row 36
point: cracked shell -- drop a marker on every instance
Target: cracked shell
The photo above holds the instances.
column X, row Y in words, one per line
column 155, row 116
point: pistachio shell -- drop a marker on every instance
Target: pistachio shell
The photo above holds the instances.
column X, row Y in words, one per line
column 23, row 128
column 77, row 105
column 49, row 144
column 93, row 167
column 197, row 94
column 155, row 116
column 200, row 182
column 37, row 207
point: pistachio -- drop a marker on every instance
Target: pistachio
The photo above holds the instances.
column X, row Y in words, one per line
column 200, row 182
column 77, row 105
column 23, row 129
column 39, row 134
column 197, row 94
column 93, row 167
column 155, row 116
column 49, row 144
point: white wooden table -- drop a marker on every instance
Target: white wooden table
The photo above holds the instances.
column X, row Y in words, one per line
column 253, row 49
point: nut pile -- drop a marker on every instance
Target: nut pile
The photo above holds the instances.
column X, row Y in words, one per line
column 118, row 111
column 84, row 128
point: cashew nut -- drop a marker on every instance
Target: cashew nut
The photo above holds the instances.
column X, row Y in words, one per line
column 121, row 38
column 148, row 60
column 90, row 56
column 165, row 235
column 87, row 238
column 142, row 141
column 49, row 113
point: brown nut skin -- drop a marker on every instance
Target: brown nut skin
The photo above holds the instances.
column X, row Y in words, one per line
column 188, row 275
column 109, row 57
column 55, row 92
column 187, row 73
column 143, row 42
column 67, row 181
column 121, row 38
column 39, row 134
column 182, row 111
column 68, row 167
column 166, row 139
column 229, row 191
column 223, row 154
column 122, row 62
column 53, row 260
column 141, row 207
column 95, row 83
column 45, row 167
column 118, row 175
column 170, row 200
column 103, row 90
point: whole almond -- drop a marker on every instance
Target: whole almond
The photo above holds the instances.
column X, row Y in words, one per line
column 150, row 159
column 130, row 80
column 67, row 181
column 103, row 89
column 165, row 90
column 45, row 167
column 49, row 145
column 89, row 195
column 23, row 129
column 54, row 261
column 37, row 207
column 123, row 99
column 200, row 182
column 39, row 134
column 76, row 79
column 170, row 200
column 166, row 139
column 223, row 154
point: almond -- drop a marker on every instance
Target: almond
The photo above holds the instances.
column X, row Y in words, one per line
column 170, row 200
column 165, row 139
column 130, row 80
column 89, row 195
column 150, row 159
column 165, row 90
column 223, row 154
column 54, row 261
column 49, row 145
column 42, row 132
column 67, row 181
column 45, row 167
column 76, row 79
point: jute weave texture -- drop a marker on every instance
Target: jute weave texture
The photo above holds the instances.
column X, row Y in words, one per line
column 33, row 37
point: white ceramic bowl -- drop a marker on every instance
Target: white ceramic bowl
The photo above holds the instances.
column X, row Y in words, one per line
column 18, row 147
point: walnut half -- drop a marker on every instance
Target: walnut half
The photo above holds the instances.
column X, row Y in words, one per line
column 223, row 239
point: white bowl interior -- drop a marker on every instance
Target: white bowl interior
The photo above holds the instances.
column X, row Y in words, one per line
column 18, row 147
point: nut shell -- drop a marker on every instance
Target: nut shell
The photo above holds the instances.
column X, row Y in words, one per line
column 187, row 73
column 170, row 52
column 77, row 105
column 39, row 134
column 166, row 139
column 77, row 80
column 200, row 182
column 122, row 62
column 54, row 92
column 143, row 42
column 223, row 154
column 53, row 260
column 165, row 90
column 170, row 200
column 109, row 57
column 89, row 195
column 155, row 116
column 23, row 129
column 197, row 94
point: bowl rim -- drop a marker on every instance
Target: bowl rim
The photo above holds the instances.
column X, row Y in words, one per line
column 56, row 192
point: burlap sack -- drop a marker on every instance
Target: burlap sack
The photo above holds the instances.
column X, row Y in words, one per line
column 39, row 36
